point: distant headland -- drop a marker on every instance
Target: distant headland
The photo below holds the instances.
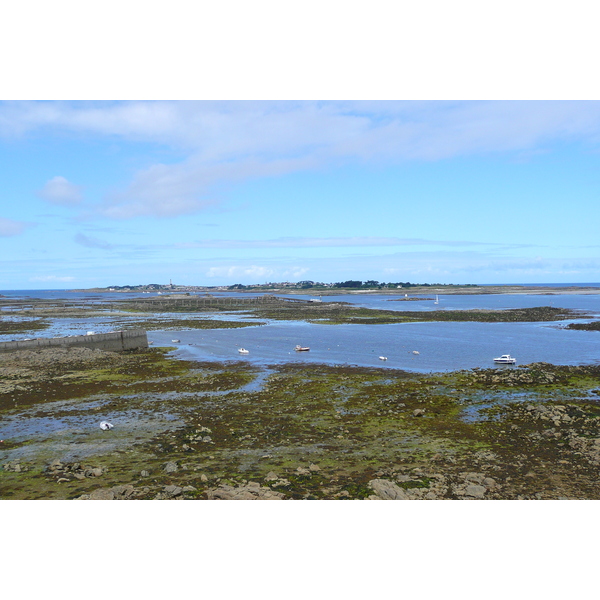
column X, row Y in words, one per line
column 350, row 286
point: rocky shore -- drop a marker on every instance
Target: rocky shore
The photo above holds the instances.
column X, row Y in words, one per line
column 187, row 430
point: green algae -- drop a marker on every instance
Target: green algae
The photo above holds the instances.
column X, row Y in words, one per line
column 22, row 326
column 353, row 423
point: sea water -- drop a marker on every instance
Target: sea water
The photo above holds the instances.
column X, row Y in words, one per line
column 441, row 346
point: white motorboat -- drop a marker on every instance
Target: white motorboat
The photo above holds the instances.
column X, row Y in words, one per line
column 383, row 358
column 176, row 341
column 243, row 351
column 416, row 352
column 505, row 359
column 299, row 348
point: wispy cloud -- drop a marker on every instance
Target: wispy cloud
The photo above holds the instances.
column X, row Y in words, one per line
column 52, row 278
column 225, row 142
column 251, row 271
column 92, row 242
column 59, row 190
column 8, row 227
column 332, row 242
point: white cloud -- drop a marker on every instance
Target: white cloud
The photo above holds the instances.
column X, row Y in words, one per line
column 333, row 242
column 8, row 227
column 62, row 192
column 231, row 141
column 252, row 271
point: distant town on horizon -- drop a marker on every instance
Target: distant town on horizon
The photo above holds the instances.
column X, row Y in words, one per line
column 300, row 285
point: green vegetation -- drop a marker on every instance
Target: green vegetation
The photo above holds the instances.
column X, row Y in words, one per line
column 22, row 326
column 324, row 432
column 339, row 313
column 593, row 326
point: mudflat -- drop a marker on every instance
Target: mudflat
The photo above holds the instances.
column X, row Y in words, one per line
column 193, row 430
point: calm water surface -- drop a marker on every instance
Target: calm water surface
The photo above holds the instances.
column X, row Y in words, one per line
column 441, row 346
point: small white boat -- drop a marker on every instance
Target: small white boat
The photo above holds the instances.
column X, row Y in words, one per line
column 105, row 425
column 383, row 358
column 299, row 348
column 176, row 341
column 436, row 299
column 505, row 359
column 416, row 352
column 243, row 351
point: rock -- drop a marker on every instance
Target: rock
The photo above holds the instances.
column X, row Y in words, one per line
column 303, row 471
column 62, row 480
column 173, row 490
column 489, row 482
column 170, row 467
column 386, row 490
column 189, row 488
column 271, row 476
column 475, row 491
column 418, row 412
column 15, row 466
column 203, row 478
column 122, row 492
column 474, row 477
column 145, row 473
column 102, row 494
column 250, row 491
column 314, row 467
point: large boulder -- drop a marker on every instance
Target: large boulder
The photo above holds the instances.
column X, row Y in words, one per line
column 386, row 490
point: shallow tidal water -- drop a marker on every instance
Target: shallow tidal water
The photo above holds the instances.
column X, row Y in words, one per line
column 443, row 346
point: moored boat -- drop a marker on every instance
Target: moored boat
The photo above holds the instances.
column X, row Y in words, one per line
column 299, row 348
column 505, row 359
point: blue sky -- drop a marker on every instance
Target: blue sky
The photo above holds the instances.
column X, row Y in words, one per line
column 217, row 193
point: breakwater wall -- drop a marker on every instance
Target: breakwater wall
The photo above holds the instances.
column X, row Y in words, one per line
column 115, row 341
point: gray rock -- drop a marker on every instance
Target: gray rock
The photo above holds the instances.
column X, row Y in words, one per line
column 170, row 467
column 243, row 492
column 122, row 492
column 145, row 473
column 15, row 466
column 102, row 494
column 173, row 490
column 387, row 490
column 474, row 477
column 418, row 412
column 475, row 491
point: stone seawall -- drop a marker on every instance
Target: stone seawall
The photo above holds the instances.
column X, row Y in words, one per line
column 114, row 341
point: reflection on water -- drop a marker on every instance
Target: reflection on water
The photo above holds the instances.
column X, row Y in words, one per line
column 442, row 346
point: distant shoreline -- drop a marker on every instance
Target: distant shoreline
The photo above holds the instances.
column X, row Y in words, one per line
column 412, row 291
